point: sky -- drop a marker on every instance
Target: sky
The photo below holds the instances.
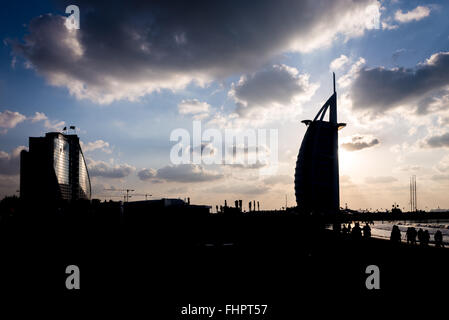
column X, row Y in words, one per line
column 137, row 73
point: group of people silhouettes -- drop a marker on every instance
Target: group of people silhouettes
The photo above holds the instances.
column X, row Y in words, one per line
column 423, row 237
column 412, row 234
column 356, row 232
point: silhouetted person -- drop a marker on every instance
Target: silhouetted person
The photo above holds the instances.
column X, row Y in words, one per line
column 411, row 235
column 438, row 239
column 337, row 227
column 366, row 231
column 426, row 238
column 414, row 235
column 356, row 232
column 395, row 236
column 349, row 228
column 421, row 237
column 344, row 230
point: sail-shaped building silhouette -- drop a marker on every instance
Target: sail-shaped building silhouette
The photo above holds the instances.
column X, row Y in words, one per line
column 317, row 173
column 54, row 169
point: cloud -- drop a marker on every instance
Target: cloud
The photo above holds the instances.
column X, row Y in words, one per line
column 440, row 177
column 128, row 51
column 242, row 156
column 347, row 79
column 54, row 125
column 199, row 109
column 108, row 170
column 38, row 116
column 443, row 165
column 10, row 162
column 276, row 87
column 408, row 168
column 376, row 180
column 96, row 145
column 345, row 179
column 10, row 119
column 397, row 53
column 278, row 179
column 359, row 142
column 387, row 25
column 9, row 185
column 443, row 121
column 437, row 141
column 146, row 174
column 187, row 173
column 193, row 106
column 416, row 14
column 338, row 62
column 240, row 189
column 257, row 165
column 423, row 89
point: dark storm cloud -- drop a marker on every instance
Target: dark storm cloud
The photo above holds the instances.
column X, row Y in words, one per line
column 127, row 49
column 379, row 89
column 360, row 142
column 279, row 85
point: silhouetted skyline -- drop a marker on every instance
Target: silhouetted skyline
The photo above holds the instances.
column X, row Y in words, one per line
column 126, row 90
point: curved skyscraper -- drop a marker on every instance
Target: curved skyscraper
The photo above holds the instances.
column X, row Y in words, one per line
column 54, row 169
column 316, row 174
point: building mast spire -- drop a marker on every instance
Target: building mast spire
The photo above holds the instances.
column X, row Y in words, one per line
column 333, row 105
column 334, row 81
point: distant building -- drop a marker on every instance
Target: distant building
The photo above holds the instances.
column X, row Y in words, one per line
column 54, row 169
column 316, row 175
column 168, row 208
column 439, row 210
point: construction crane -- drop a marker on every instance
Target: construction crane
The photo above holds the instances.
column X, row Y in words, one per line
column 143, row 194
column 125, row 197
column 105, row 196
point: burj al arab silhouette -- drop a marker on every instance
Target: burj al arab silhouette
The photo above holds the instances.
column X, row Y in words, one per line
column 317, row 186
